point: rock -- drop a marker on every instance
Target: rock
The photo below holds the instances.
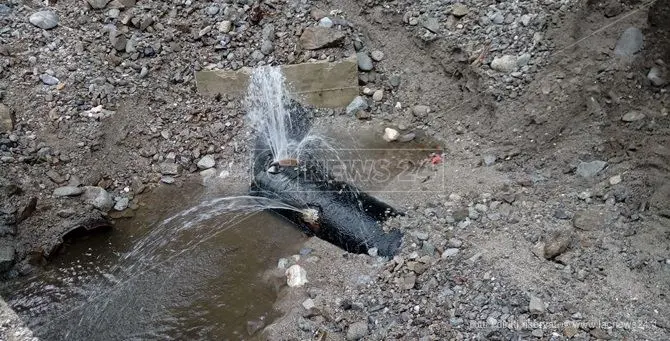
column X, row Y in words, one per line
column 408, row 282
column 358, row 104
column 590, row 219
column 68, row 191
column 121, row 204
column 590, row 169
column 506, row 63
column 225, row 26
column 378, row 95
column 296, row 276
column 170, row 168
column 538, row 250
column 98, row 197
column 497, row 18
column 629, row 43
column 118, row 40
column 326, row 22
column 561, row 214
column 364, row 61
column 213, row 10
column 308, row 304
column 357, row 331
column 206, row 162
column 450, row 252
column 420, row 111
column 459, row 10
column 267, row 47
column 489, row 160
column 7, row 255
column 314, row 38
column 407, row 137
column 317, row 14
column 49, row 79
column 632, row 116
column 98, row 4
column 655, row 77
column 431, row 24
column 536, row 306
column 377, row 55
column 390, row 134
column 167, row 180
column 557, row 243
column 525, row 19
column 6, row 119
column 523, row 60
column 44, row 19
column 615, row 180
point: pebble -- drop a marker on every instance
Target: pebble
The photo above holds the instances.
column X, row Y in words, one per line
column 615, row 180
column 121, row 204
column 407, row 137
column 364, row 61
column 506, row 63
column 225, row 26
column 557, row 243
column 206, row 162
column 98, row 4
column 308, row 304
column 326, row 22
column 420, row 111
column 357, row 331
column 212, row 10
column 431, row 24
column 44, row 19
column 655, row 77
column 357, row 104
column 98, row 197
column 118, row 40
column 489, row 160
column 144, row 72
column 629, row 43
column 390, row 134
column 378, row 95
column 314, row 38
column 167, row 180
column 561, row 214
column 267, row 47
column 67, row 191
column 169, row 168
column 296, row 276
column 497, row 18
column 536, row 306
column 459, row 10
column 590, row 169
column 450, row 252
column 49, row 79
column 377, row 55
column 590, row 219
column 632, row 116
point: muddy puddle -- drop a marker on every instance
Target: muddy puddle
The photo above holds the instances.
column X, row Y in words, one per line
column 200, row 283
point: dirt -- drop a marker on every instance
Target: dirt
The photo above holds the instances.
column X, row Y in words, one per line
column 475, row 261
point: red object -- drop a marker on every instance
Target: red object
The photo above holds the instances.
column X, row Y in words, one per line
column 436, row 159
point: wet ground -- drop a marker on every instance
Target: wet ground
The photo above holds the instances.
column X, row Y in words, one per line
column 206, row 290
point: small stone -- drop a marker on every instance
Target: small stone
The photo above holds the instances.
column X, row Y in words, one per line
column 44, row 19
column 491, row 321
column 454, row 242
column 121, row 204
column 144, row 72
column 537, row 332
column 655, row 77
column 450, row 252
column 632, row 116
column 536, row 306
column 489, row 160
column 557, row 243
column 525, row 19
column 167, row 180
column 373, row 252
column 538, row 250
column 314, row 38
column 326, row 22
column 49, row 79
column 225, row 26
column 590, row 169
column 561, row 214
column 204, row 31
column 390, row 134
column 459, row 10
column 206, row 162
column 377, row 55
column 407, row 137
column 98, row 197
column 497, row 18
column 590, row 219
column 523, row 60
column 118, row 40
column 364, row 61
column 570, row 330
column 308, row 304
column 431, row 24
column 7, row 257
column 6, row 120
column 378, row 95
column 169, row 168
column 67, row 191
column 630, row 42
column 420, row 111
column 357, row 104
column 98, row 4
column 296, row 276
column 318, row 14
column 267, row 47
column 357, row 331
column 212, row 10
column 506, row 63
column 615, row 180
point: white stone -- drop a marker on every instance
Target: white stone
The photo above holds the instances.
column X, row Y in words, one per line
column 296, row 276
column 615, row 180
column 391, row 134
column 378, row 95
column 308, row 304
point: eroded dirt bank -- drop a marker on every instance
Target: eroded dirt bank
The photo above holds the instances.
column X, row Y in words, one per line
column 553, row 113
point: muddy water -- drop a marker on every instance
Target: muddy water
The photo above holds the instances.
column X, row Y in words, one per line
column 208, row 292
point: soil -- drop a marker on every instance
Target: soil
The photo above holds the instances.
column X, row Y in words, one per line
column 509, row 238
